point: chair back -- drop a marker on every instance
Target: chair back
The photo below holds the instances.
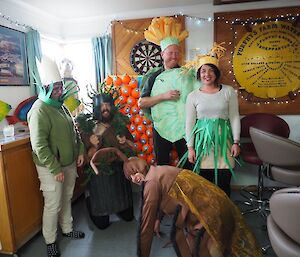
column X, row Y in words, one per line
column 266, row 122
column 283, row 222
column 275, row 150
column 281, row 204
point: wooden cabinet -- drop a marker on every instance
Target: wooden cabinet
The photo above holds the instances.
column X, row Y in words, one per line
column 21, row 202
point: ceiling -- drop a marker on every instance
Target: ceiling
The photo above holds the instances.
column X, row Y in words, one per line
column 76, row 9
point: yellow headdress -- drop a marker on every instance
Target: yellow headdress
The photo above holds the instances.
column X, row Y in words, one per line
column 213, row 57
column 165, row 31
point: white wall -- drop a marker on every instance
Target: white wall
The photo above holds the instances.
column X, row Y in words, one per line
column 25, row 14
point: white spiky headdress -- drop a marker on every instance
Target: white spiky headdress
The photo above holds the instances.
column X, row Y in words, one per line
column 48, row 71
column 49, row 74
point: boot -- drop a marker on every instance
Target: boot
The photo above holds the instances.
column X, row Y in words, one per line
column 52, row 250
column 74, row 234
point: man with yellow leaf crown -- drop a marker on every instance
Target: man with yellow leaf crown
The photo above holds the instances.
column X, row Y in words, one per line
column 165, row 89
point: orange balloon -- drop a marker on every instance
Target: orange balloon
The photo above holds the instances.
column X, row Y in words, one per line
column 126, row 79
column 127, row 109
column 122, row 99
column 144, row 139
column 141, row 128
column 146, row 121
column 150, row 159
column 131, row 127
column 135, row 93
column 131, row 101
column 125, row 90
column 108, row 80
column 137, row 146
column 134, row 109
column 142, row 156
column 149, row 132
column 131, row 118
column 117, row 81
column 147, row 149
column 133, row 83
column 136, row 136
column 138, row 119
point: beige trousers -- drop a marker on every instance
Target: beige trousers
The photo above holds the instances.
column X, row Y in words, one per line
column 57, row 201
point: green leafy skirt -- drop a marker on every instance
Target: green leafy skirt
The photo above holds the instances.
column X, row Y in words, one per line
column 211, row 136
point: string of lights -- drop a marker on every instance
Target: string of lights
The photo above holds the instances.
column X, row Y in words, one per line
column 197, row 20
column 254, row 21
column 131, row 30
column 236, row 21
column 200, row 20
column 14, row 22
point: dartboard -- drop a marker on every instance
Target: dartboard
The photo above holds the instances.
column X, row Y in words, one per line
column 144, row 56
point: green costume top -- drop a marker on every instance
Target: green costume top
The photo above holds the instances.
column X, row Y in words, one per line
column 55, row 142
column 169, row 116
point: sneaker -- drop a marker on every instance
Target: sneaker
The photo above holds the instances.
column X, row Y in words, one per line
column 74, row 234
column 52, row 250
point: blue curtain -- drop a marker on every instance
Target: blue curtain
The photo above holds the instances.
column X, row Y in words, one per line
column 34, row 51
column 102, row 49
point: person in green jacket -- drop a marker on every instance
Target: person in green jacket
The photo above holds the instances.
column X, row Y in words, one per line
column 57, row 150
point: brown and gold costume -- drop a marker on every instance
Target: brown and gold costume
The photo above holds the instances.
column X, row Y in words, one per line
column 201, row 202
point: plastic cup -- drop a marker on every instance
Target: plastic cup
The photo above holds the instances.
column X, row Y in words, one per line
column 9, row 131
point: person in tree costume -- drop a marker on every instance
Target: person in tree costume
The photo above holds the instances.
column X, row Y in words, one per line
column 109, row 191
column 212, row 122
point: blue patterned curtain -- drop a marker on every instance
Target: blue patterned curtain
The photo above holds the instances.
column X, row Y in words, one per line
column 103, row 57
column 34, row 51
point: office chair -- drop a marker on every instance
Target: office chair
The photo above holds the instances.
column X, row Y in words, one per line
column 270, row 123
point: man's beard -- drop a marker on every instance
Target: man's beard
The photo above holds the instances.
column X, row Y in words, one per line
column 107, row 119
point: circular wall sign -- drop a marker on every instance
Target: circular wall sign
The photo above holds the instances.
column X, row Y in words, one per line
column 145, row 56
column 266, row 61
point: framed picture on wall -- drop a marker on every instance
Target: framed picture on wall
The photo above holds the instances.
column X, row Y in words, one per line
column 13, row 58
